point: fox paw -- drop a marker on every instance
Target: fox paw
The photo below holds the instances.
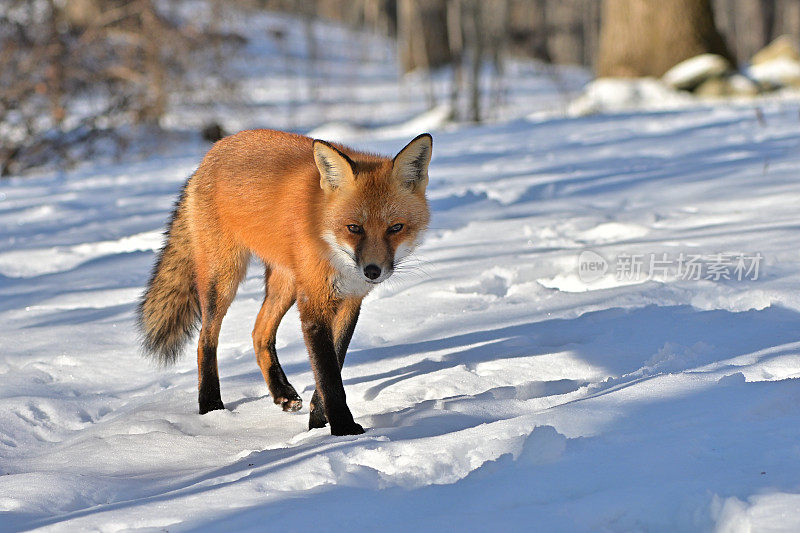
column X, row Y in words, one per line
column 290, row 405
column 317, row 418
column 354, row 429
column 208, row 406
column 283, row 394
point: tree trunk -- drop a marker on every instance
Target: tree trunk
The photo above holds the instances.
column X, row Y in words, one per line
column 474, row 36
column 767, row 21
column 154, row 65
column 422, row 34
column 648, row 37
column 455, row 36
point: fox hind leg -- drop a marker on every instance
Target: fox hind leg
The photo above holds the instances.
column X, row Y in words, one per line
column 216, row 288
column 279, row 297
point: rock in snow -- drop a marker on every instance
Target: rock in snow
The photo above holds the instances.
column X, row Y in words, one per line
column 690, row 73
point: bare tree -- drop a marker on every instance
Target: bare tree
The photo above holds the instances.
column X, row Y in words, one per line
column 73, row 71
column 422, row 34
column 767, row 19
column 455, row 37
column 473, row 32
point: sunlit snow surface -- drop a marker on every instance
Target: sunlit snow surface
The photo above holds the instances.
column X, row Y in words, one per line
column 500, row 389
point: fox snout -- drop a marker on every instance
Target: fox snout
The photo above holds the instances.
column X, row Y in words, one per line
column 372, row 271
column 375, row 272
column 357, row 268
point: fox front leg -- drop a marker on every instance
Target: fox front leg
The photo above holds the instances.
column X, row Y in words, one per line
column 343, row 327
column 318, row 333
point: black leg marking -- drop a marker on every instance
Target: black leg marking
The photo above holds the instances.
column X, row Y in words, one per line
column 281, row 390
column 329, row 379
column 211, row 308
column 345, row 336
column 208, row 395
column 317, row 418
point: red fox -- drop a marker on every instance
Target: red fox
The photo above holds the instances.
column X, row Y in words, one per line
column 328, row 222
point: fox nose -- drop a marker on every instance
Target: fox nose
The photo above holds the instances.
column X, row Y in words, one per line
column 372, row 271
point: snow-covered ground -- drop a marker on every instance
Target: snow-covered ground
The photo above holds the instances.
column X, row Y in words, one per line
column 506, row 382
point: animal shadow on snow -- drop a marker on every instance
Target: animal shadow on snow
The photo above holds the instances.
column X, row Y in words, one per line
column 620, row 341
column 624, row 344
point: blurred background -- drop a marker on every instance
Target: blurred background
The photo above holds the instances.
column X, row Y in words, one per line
column 111, row 78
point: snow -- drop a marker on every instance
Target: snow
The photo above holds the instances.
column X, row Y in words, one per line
column 614, row 95
column 499, row 386
column 691, row 72
column 778, row 71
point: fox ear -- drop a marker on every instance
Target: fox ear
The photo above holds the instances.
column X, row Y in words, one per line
column 335, row 168
column 410, row 166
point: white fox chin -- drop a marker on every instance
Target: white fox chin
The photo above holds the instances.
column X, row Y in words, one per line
column 349, row 280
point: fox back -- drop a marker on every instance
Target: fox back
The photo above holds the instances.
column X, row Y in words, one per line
column 293, row 201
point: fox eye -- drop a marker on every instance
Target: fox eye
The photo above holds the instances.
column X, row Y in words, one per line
column 355, row 228
column 395, row 228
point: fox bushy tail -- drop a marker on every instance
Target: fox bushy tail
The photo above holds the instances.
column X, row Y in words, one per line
column 170, row 307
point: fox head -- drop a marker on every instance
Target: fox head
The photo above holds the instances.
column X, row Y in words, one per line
column 375, row 210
